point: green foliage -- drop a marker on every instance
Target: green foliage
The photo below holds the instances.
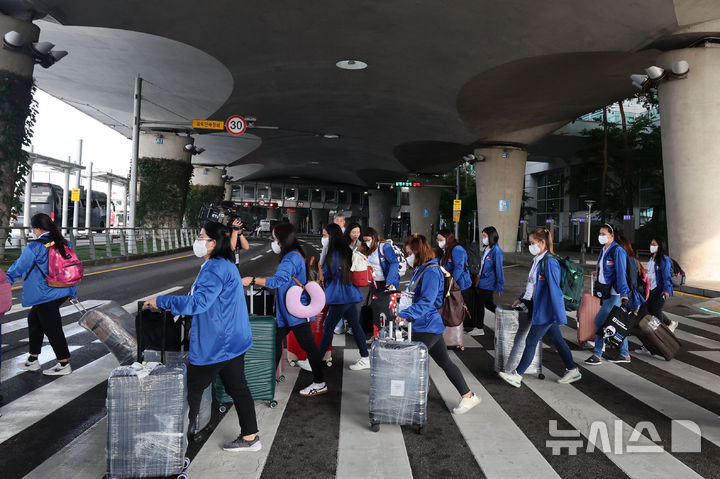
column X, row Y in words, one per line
column 164, row 187
column 468, row 195
column 199, row 196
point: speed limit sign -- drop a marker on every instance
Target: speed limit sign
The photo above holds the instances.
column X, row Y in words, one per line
column 235, row 125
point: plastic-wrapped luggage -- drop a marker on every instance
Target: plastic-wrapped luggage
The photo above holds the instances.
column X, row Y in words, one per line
column 657, row 337
column 511, row 330
column 399, row 376
column 295, row 353
column 147, row 421
column 115, row 327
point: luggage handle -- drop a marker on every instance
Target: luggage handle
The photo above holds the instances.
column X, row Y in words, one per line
column 409, row 323
column 592, row 283
column 252, row 298
column 139, row 328
column 78, row 305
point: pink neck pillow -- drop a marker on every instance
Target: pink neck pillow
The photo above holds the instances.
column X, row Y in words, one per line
column 294, row 304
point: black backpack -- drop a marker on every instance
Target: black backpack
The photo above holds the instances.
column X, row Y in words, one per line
column 474, row 254
column 678, row 275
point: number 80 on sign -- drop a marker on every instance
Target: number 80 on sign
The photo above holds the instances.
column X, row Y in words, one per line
column 235, row 125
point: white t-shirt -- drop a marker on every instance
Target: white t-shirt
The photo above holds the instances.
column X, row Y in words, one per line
column 650, row 271
column 532, row 277
column 601, row 277
column 374, row 260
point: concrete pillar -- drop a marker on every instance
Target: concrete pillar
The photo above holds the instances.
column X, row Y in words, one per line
column 273, row 214
column 425, row 207
column 228, row 192
column 499, row 186
column 380, row 203
column 691, row 160
column 208, row 176
column 319, row 218
column 296, row 216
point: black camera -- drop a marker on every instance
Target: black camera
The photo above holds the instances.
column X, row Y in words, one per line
column 225, row 214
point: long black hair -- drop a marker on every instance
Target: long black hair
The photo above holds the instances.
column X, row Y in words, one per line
column 349, row 229
column 285, row 234
column 221, row 234
column 662, row 249
column 493, row 236
column 338, row 250
column 43, row 222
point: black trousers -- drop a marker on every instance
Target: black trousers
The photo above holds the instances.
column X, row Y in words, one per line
column 232, row 373
column 483, row 299
column 655, row 305
column 45, row 320
column 438, row 351
column 306, row 340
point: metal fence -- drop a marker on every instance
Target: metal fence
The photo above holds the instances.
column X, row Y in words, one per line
column 113, row 242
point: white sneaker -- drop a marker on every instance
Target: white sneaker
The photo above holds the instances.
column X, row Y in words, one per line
column 348, row 331
column 340, row 329
column 477, row 332
column 58, row 370
column 467, row 404
column 571, row 376
column 673, row 325
column 644, row 351
column 31, row 365
column 362, row 363
column 304, row 364
column 513, row 379
column 590, row 344
column 315, row 389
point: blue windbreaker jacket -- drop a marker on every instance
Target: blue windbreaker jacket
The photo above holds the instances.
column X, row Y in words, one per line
column 548, row 302
column 615, row 269
column 389, row 264
column 291, row 265
column 337, row 292
column 492, row 276
column 428, row 296
column 457, row 266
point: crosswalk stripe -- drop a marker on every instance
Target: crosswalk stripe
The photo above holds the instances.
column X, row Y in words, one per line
column 657, row 397
column 699, row 340
column 697, row 376
column 362, row 452
column 339, row 340
column 693, row 323
column 18, row 324
column 711, row 355
column 510, row 453
column 212, row 461
column 11, row 367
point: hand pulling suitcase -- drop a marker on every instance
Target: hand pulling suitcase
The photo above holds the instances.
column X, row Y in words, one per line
column 114, row 327
column 657, row 337
column 295, row 353
column 160, row 330
column 511, row 330
column 589, row 308
column 399, row 377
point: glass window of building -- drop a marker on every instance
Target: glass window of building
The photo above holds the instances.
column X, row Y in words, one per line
column 317, row 195
column 549, row 197
column 276, row 192
column 404, row 198
column 356, row 197
column 290, row 193
column 236, row 194
column 344, row 197
column 263, row 193
column 249, row 194
column 303, row 194
column 330, row 196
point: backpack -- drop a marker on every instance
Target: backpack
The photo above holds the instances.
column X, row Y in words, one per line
column 63, row 271
column 5, row 294
column 402, row 262
column 572, row 279
column 474, row 253
column 453, row 309
column 678, row 275
column 639, row 281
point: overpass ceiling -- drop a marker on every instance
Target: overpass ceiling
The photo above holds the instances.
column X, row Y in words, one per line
column 439, row 79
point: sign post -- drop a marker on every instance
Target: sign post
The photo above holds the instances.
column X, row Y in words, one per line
column 457, row 209
column 75, row 194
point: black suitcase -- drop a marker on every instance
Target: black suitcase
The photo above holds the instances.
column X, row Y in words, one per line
column 158, row 330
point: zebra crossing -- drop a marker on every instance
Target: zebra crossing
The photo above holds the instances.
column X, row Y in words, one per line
column 56, row 427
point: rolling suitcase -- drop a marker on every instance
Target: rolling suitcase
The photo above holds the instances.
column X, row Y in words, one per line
column 114, row 326
column 399, row 376
column 657, row 337
column 511, row 330
column 383, row 305
column 261, row 371
column 589, row 308
column 295, row 353
column 159, row 330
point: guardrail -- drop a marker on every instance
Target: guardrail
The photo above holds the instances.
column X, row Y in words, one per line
column 98, row 243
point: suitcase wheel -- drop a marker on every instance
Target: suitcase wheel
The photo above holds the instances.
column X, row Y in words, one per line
column 222, row 409
column 273, row 404
column 186, row 463
column 541, row 376
column 292, row 363
column 328, row 363
column 374, row 427
column 422, row 430
column 461, row 348
column 184, row 475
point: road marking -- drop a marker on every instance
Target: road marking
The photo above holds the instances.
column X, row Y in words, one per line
column 339, row 341
column 694, row 338
column 510, row 453
column 17, row 324
column 693, row 323
column 268, row 251
column 212, row 461
column 695, row 375
column 11, row 367
column 362, row 452
column 711, row 355
column 256, row 257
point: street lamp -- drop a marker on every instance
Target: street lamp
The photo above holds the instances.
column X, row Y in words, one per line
column 589, row 204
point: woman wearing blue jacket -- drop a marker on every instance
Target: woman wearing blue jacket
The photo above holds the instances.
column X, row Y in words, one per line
column 44, row 318
column 613, row 289
column 427, row 285
column 382, row 258
column 341, row 295
column 546, row 307
column 492, row 276
column 454, row 259
column 659, row 274
column 292, row 265
column 220, row 334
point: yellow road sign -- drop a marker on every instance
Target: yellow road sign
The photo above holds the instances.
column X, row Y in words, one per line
column 75, row 196
column 208, row 124
column 456, row 216
column 457, row 205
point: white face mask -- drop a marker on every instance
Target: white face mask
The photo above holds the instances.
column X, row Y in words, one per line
column 486, row 241
column 410, row 260
column 275, row 247
column 325, row 241
column 603, row 239
column 199, row 248
column 368, row 244
column 441, row 244
column 33, row 235
column 534, row 249
column 653, row 249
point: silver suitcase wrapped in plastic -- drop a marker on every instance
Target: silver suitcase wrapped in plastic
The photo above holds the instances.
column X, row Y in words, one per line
column 147, row 421
column 399, row 376
column 114, row 326
column 511, row 329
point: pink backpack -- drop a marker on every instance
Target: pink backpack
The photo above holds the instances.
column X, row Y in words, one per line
column 62, row 271
column 5, row 294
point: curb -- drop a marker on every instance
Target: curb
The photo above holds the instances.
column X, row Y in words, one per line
column 127, row 258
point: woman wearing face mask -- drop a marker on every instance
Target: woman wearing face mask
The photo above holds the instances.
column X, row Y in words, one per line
column 455, row 261
column 220, row 334
column 383, row 260
column 352, row 236
column 44, row 318
column 546, row 307
column 613, row 288
column 341, row 295
column 427, row 285
column 492, row 276
column 659, row 273
column 292, row 265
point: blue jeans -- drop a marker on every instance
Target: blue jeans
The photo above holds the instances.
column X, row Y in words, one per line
column 534, row 336
column 600, row 318
column 336, row 312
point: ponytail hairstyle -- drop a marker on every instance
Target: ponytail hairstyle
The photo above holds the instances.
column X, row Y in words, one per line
column 221, row 234
column 43, row 222
column 627, row 246
column 285, row 234
column 339, row 251
column 544, row 234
